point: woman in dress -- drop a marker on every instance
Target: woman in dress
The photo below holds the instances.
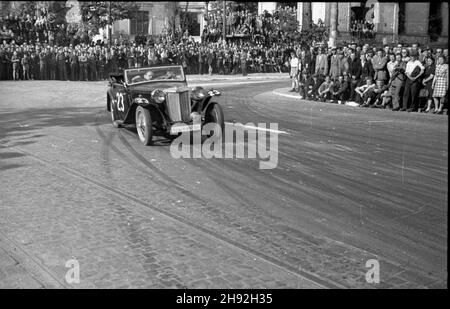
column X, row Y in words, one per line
column 428, row 80
column 440, row 85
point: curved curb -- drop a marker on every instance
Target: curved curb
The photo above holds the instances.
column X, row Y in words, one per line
column 277, row 92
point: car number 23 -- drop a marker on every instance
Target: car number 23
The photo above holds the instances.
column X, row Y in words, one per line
column 120, row 105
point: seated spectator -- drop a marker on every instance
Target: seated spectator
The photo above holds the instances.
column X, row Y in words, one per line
column 341, row 90
column 364, row 92
column 324, row 91
column 380, row 89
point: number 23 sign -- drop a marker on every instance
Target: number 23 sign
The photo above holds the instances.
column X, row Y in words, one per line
column 120, row 105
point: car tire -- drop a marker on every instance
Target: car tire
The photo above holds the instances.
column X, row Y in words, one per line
column 214, row 114
column 144, row 125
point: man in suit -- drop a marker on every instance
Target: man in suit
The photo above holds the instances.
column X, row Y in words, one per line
column 379, row 65
column 335, row 67
column 321, row 63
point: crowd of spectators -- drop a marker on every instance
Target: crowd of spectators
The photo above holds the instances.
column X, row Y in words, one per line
column 398, row 77
column 362, row 29
column 264, row 28
column 39, row 27
column 394, row 77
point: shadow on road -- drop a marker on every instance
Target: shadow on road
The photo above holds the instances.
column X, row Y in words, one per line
column 24, row 127
column 20, row 126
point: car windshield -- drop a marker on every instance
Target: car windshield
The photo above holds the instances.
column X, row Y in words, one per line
column 143, row 75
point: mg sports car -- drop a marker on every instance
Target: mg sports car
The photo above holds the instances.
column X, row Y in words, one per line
column 158, row 100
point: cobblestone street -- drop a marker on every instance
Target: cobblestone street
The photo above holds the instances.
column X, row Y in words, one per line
column 133, row 217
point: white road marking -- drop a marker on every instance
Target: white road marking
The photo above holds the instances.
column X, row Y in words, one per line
column 256, row 128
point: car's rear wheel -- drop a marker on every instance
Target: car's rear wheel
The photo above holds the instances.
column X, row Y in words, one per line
column 144, row 125
column 214, row 114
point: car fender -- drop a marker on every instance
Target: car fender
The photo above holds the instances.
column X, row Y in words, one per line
column 108, row 100
column 203, row 105
column 152, row 107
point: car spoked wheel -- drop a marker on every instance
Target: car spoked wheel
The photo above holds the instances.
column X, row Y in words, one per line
column 214, row 114
column 144, row 125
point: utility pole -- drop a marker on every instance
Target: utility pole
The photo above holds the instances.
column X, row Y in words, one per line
column 109, row 23
column 224, row 22
column 333, row 24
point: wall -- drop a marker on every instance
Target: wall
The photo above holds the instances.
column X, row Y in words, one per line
column 416, row 18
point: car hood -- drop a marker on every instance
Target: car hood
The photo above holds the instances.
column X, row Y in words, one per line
column 149, row 87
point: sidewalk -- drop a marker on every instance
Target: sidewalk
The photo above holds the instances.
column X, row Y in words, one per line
column 252, row 76
column 284, row 92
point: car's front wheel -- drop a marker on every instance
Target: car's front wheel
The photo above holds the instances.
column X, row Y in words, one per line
column 144, row 125
column 214, row 114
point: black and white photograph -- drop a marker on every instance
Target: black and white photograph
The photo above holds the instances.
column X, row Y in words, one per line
column 225, row 150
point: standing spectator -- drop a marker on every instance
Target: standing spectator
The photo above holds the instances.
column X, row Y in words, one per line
column 440, row 84
column 74, row 66
column 26, row 67
column 244, row 63
column 61, row 63
column 427, row 81
column 379, row 65
column 414, row 69
column 321, row 63
column 83, row 61
column 390, row 66
column 15, row 65
column 397, row 83
column 42, row 65
column 335, row 65
column 200, row 61
column 294, row 65
column 34, row 66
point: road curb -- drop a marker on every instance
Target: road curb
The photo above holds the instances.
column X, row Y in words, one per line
column 277, row 92
column 234, row 78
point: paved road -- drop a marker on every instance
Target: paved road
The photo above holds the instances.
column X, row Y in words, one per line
column 351, row 185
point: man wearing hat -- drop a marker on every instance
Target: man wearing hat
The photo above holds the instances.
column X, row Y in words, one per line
column 414, row 69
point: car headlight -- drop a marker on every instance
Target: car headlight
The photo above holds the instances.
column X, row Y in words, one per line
column 198, row 93
column 158, row 96
column 141, row 100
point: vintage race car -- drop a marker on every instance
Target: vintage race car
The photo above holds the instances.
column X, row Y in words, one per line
column 157, row 100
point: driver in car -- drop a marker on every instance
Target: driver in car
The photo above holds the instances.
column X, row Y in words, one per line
column 169, row 75
column 147, row 76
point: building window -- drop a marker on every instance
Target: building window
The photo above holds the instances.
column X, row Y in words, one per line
column 401, row 17
column 139, row 24
column 435, row 21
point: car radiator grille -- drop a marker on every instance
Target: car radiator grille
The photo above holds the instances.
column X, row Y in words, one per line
column 179, row 106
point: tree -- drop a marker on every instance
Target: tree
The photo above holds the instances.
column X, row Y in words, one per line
column 95, row 13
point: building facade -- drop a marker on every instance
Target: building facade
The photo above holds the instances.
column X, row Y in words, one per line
column 154, row 16
column 408, row 22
